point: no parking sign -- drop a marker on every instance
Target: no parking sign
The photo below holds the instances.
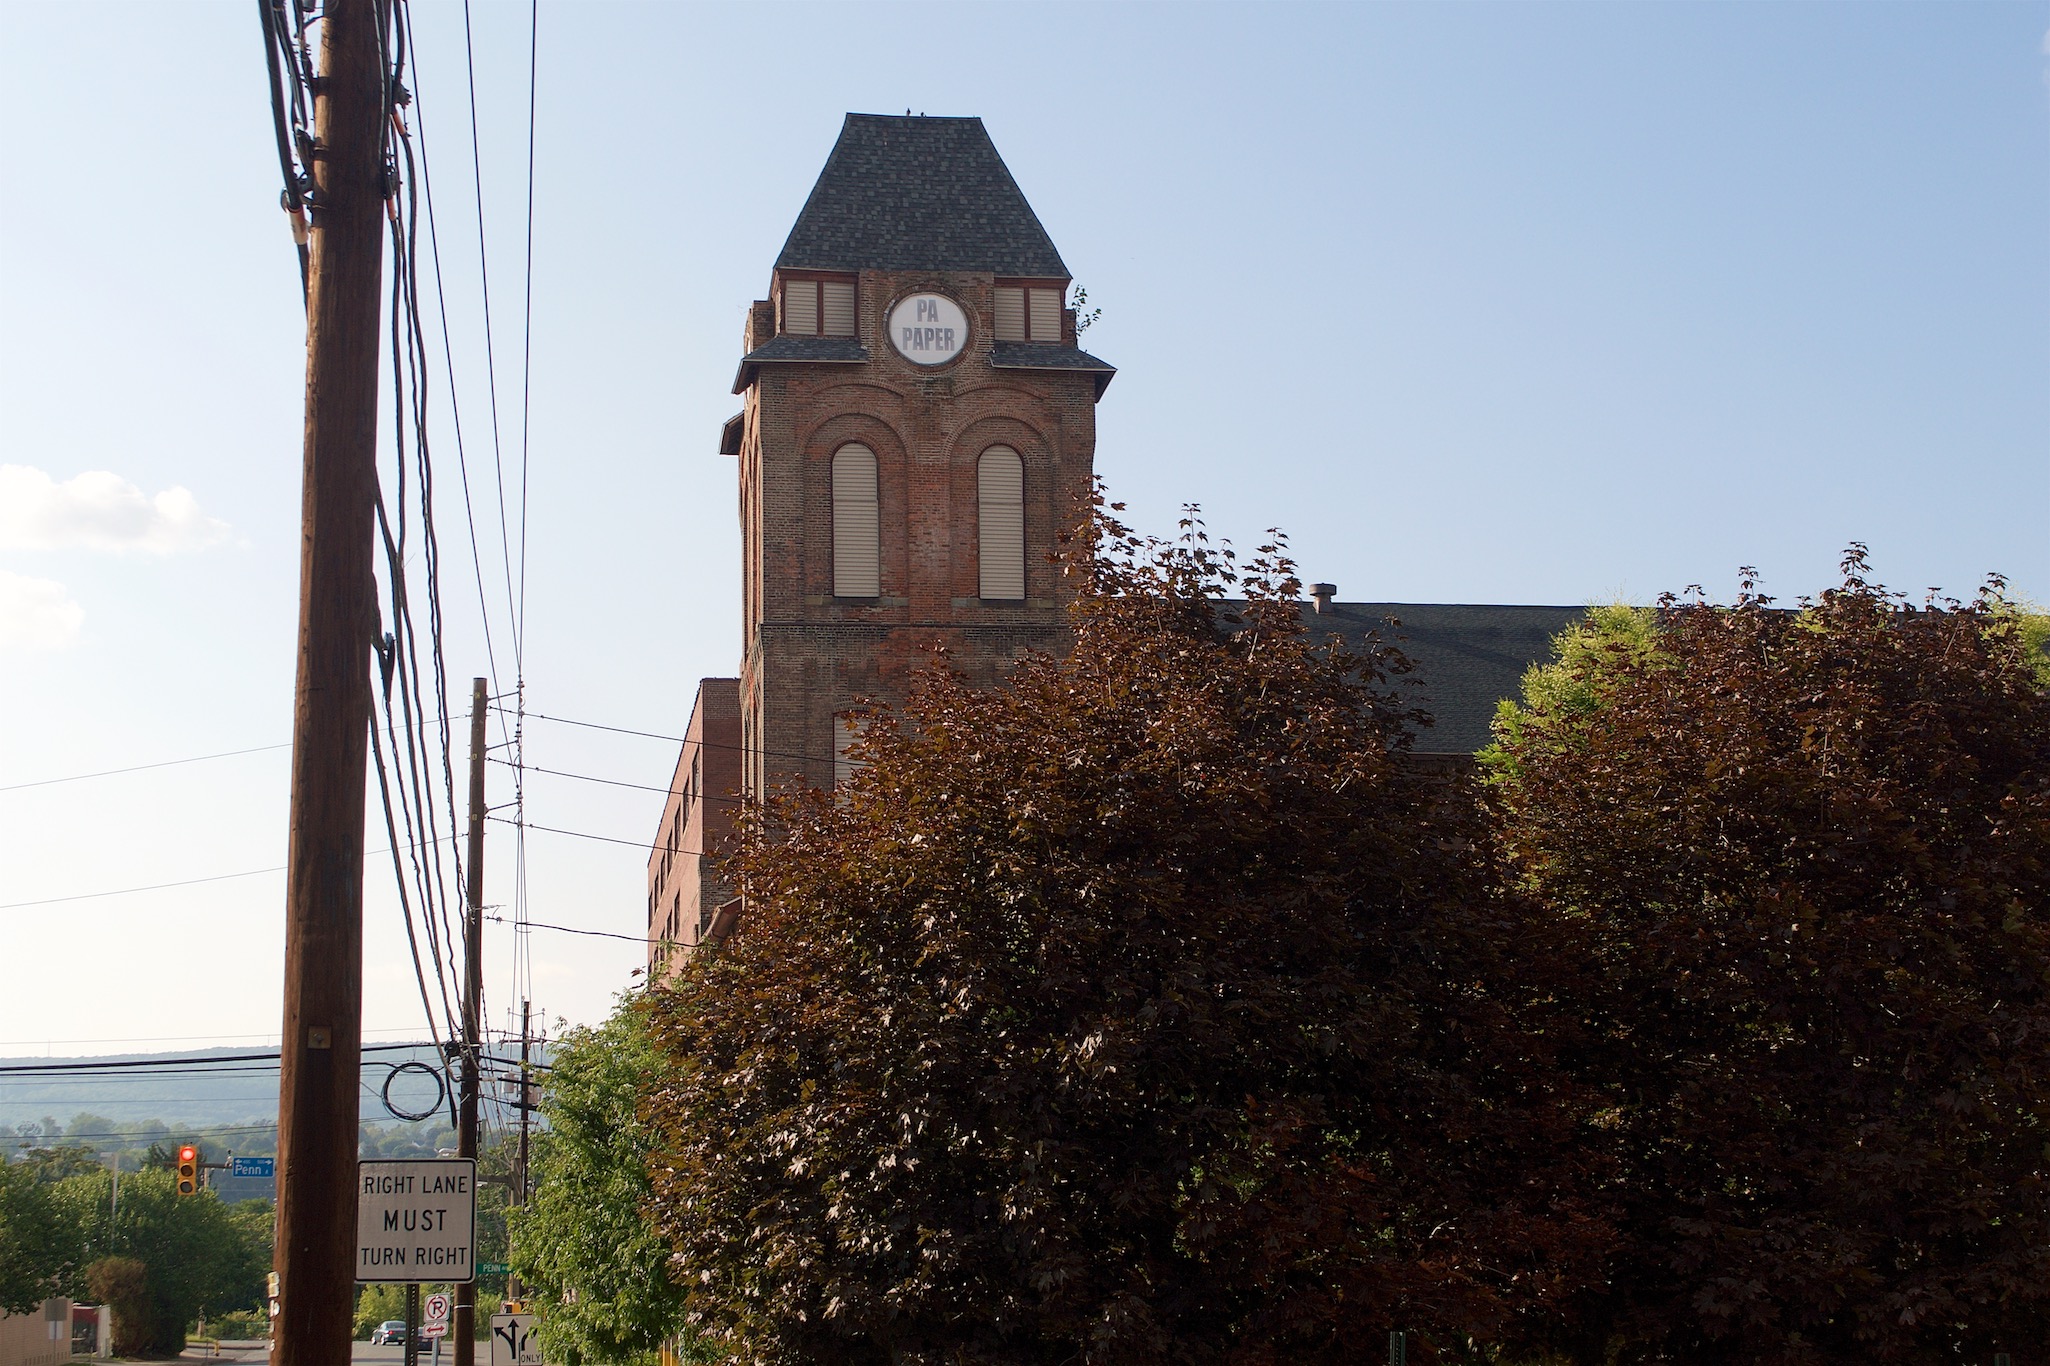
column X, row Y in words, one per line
column 434, row 1311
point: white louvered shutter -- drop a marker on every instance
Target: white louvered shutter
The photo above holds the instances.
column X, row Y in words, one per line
column 801, row 307
column 1010, row 313
column 1000, row 488
column 845, row 765
column 1046, row 315
column 836, row 308
column 856, row 556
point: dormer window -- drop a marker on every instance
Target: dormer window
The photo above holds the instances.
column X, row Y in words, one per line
column 818, row 306
column 1029, row 310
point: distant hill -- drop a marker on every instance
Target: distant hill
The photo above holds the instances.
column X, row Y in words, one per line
column 228, row 1104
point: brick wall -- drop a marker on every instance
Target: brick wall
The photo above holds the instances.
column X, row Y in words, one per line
column 685, row 890
column 808, row 654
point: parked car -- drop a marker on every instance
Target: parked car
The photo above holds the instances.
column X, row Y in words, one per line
column 392, row 1332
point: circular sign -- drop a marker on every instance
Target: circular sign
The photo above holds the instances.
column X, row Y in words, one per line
column 435, row 1308
column 928, row 329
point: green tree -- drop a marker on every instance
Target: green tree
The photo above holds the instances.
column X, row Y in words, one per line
column 196, row 1257
column 1143, row 1009
column 597, row 1269
column 39, row 1246
column 55, row 1163
column 122, row 1285
column 376, row 1304
column 1809, row 855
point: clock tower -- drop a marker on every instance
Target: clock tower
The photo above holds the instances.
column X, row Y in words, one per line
column 918, row 427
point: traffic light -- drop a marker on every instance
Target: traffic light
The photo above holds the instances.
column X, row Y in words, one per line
column 188, row 1169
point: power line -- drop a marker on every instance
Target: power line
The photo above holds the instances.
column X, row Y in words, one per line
column 139, row 768
column 620, row 782
column 569, row 929
column 165, row 1132
column 643, row 845
column 158, row 887
column 172, row 1038
column 153, row 887
column 490, row 364
column 198, row 1060
column 685, row 740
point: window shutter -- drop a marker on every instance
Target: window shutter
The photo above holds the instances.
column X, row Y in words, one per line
column 845, row 765
column 801, row 307
column 1000, row 503
column 836, row 309
column 1010, row 313
column 1046, row 315
column 856, row 557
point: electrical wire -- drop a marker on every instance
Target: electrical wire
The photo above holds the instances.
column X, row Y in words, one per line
column 570, row 929
column 620, row 782
column 140, row 768
column 200, row 1060
column 683, row 740
column 129, row 891
column 642, row 845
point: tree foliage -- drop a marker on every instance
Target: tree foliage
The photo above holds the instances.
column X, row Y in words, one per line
column 597, row 1269
column 1143, row 1009
column 1809, row 855
column 39, row 1249
column 122, row 1285
column 196, row 1256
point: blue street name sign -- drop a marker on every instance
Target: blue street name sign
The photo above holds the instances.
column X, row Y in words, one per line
column 252, row 1166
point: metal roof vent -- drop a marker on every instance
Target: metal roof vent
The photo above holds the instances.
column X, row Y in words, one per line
column 1321, row 595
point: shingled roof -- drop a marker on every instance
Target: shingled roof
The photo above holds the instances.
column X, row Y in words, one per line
column 916, row 193
column 1468, row 656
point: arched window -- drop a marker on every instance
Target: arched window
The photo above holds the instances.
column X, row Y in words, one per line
column 856, row 555
column 1000, row 504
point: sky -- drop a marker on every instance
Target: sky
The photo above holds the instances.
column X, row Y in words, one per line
column 1480, row 303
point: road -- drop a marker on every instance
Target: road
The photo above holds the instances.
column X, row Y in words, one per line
column 256, row 1353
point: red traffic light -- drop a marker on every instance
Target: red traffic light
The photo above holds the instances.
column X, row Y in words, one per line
column 188, row 1169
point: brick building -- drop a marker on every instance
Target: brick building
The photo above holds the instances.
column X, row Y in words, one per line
column 918, row 426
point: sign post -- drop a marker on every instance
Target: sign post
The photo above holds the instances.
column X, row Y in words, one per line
column 513, row 1342
column 416, row 1221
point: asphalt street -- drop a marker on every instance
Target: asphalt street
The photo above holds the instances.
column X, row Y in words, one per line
column 255, row 1353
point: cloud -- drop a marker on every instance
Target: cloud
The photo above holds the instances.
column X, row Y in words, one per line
column 36, row 614
column 99, row 511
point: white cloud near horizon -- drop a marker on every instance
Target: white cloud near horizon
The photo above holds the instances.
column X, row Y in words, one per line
column 99, row 510
column 37, row 614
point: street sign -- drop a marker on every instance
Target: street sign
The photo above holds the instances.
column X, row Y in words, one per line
column 493, row 1268
column 434, row 1316
column 257, row 1167
column 416, row 1221
column 513, row 1342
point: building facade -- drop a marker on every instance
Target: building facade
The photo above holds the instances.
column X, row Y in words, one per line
column 918, row 427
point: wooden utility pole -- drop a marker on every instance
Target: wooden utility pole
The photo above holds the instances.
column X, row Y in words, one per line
column 323, row 1017
column 465, row 1325
column 513, row 1289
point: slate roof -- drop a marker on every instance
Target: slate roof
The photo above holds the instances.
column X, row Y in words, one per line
column 913, row 193
column 1039, row 356
column 1468, row 656
column 812, row 350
